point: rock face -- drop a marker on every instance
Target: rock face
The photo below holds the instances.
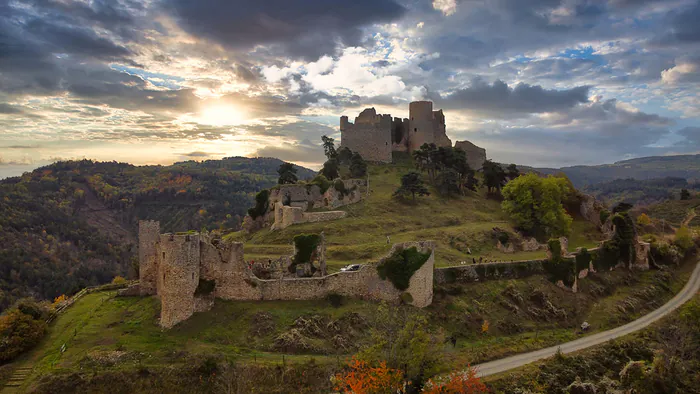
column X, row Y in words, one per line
column 475, row 155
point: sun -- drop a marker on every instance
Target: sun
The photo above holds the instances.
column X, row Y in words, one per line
column 221, row 115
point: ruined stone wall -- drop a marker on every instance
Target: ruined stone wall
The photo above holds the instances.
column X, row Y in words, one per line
column 439, row 129
column 179, row 272
column 370, row 135
column 286, row 216
column 475, row 155
column 149, row 234
column 364, row 284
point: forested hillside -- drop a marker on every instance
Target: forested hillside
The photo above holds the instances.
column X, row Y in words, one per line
column 679, row 166
column 73, row 224
column 641, row 192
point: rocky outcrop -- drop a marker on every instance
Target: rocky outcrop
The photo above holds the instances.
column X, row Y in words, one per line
column 475, row 155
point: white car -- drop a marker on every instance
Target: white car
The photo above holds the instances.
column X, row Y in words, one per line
column 351, row 267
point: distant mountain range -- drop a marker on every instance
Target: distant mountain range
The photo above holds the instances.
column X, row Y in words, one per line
column 653, row 167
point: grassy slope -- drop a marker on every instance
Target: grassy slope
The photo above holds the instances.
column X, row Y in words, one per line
column 457, row 225
column 100, row 324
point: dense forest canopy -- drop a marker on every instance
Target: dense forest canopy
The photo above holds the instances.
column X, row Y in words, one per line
column 73, row 224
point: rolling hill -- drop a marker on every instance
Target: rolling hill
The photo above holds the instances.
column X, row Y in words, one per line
column 73, row 224
column 680, row 166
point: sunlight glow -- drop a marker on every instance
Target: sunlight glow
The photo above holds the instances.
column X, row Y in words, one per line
column 221, row 115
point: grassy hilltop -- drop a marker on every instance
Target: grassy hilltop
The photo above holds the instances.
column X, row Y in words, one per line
column 459, row 224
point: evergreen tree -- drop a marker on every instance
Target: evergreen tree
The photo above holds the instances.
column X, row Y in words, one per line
column 494, row 176
column 287, row 174
column 411, row 183
column 329, row 147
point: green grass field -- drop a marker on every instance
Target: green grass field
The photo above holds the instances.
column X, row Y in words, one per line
column 459, row 225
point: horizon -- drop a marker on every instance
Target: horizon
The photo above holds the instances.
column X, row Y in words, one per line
column 540, row 83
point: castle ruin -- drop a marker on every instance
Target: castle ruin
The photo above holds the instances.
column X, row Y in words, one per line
column 375, row 136
column 188, row 271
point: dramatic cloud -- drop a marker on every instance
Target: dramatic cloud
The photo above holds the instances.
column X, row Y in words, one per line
column 308, row 28
column 498, row 99
column 545, row 82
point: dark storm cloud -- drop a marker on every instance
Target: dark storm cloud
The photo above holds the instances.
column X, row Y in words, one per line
column 683, row 27
column 500, row 99
column 307, row 28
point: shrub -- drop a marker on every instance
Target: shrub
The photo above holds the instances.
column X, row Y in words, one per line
column 604, row 215
column 118, row 280
column 339, row 185
column 205, row 287
column 406, row 298
column 261, row 204
column 322, row 182
column 20, row 332
column 336, row 300
column 684, row 239
column 401, row 265
column 366, row 379
column 560, row 270
column 643, row 220
column 305, row 245
column 583, row 259
column 458, row 383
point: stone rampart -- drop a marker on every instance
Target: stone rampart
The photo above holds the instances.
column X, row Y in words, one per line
column 475, row 155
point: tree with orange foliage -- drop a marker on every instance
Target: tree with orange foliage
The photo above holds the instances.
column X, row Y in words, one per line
column 362, row 378
column 463, row 382
column 59, row 299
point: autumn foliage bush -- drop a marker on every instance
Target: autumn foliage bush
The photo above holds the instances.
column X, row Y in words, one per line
column 463, row 382
column 363, row 378
column 21, row 328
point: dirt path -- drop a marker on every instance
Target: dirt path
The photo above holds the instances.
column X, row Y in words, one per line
column 505, row 364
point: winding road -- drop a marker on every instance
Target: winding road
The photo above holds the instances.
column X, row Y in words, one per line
column 505, row 364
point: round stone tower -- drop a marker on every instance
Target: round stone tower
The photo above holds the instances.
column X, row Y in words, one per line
column 421, row 125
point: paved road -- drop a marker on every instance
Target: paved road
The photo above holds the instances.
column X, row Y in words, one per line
column 504, row 364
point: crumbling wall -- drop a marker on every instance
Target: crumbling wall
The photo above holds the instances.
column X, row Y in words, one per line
column 370, row 135
column 364, row 283
column 475, row 155
column 179, row 272
column 149, row 234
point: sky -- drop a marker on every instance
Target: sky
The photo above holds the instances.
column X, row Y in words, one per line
column 536, row 82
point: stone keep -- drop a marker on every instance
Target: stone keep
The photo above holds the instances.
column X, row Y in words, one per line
column 375, row 136
column 475, row 155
